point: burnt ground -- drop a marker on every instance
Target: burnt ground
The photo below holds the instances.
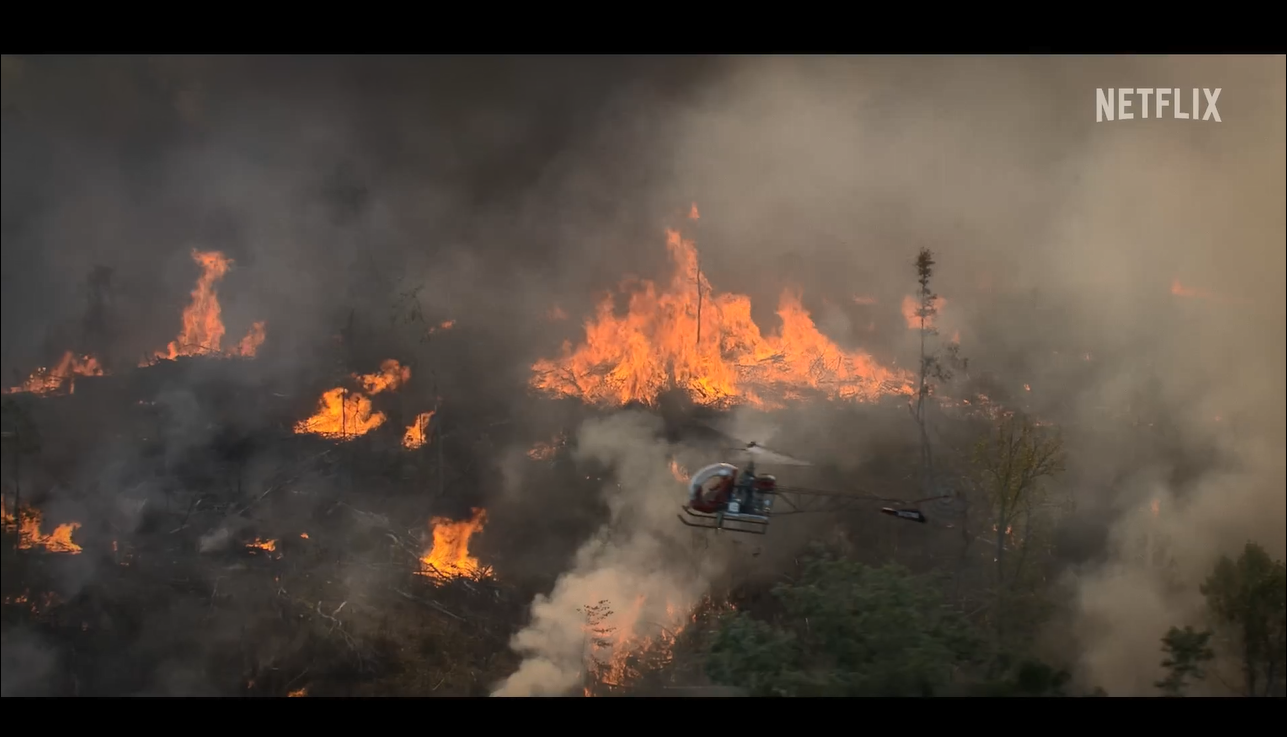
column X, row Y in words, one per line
column 175, row 470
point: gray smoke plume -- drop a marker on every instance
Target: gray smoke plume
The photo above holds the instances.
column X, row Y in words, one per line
column 1148, row 252
column 1100, row 263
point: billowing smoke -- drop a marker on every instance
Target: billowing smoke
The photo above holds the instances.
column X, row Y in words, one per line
column 1147, row 252
column 1160, row 550
column 25, row 662
column 1130, row 273
column 641, row 562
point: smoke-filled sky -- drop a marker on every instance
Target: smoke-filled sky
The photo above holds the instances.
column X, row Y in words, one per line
column 505, row 186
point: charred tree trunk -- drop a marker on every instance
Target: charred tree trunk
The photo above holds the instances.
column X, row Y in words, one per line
column 928, row 364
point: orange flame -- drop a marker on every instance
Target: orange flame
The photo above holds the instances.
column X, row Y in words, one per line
column 679, row 472
column 624, row 645
column 693, row 214
column 417, row 433
column 1155, row 507
column 614, row 654
column 912, row 305
column 449, row 557
column 297, row 693
column 546, row 451
column 27, row 522
column 269, row 546
column 48, row 381
column 391, row 375
column 1179, row 290
column 249, row 345
column 344, row 415
column 338, row 417
column 37, row 604
column 203, row 330
column 654, row 347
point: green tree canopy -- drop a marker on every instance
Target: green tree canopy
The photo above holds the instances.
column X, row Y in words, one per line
column 1248, row 597
column 1187, row 651
column 848, row 630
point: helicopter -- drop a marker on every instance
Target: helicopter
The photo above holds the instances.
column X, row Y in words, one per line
column 723, row 497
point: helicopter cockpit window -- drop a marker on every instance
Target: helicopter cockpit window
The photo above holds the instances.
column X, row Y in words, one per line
column 712, row 485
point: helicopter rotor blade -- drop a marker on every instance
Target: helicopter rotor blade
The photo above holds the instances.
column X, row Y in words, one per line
column 715, row 433
column 764, row 455
column 757, row 451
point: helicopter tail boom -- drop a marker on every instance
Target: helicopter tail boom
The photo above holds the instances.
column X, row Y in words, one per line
column 914, row 515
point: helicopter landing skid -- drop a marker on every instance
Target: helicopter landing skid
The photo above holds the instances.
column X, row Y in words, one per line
column 751, row 524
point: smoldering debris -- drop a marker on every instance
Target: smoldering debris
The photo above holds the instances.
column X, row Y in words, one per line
column 215, row 541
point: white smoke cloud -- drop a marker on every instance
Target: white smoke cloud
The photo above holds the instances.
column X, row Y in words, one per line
column 639, row 561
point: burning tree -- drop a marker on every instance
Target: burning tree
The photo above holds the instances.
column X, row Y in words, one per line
column 598, row 638
column 60, row 377
column 203, row 329
column 343, row 414
column 934, row 365
column 627, row 651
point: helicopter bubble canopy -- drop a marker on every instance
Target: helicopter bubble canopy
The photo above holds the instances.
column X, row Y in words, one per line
column 704, row 476
column 718, row 501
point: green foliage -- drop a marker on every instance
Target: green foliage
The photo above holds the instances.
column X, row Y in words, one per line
column 1029, row 678
column 939, row 366
column 849, row 630
column 1187, row 652
column 935, row 366
column 755, row 656
column 928, row 306
column 1248, row 596
column 1010, row 464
